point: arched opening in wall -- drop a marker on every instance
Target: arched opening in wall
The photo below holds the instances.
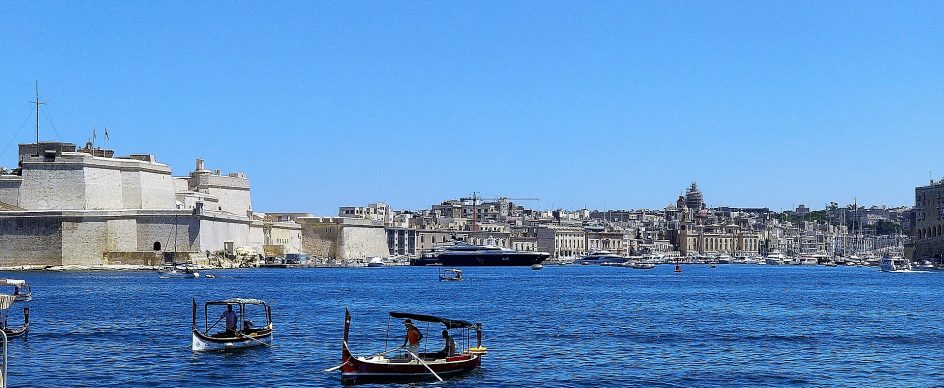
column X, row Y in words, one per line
column 157, row 245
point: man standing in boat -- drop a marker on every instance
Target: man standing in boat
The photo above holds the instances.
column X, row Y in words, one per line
column 230, row 316
column 413, row 337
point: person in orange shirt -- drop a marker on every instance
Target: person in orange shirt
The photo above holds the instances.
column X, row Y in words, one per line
column 413, row 337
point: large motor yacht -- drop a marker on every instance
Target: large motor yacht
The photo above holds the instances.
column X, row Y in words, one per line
column 462, row 254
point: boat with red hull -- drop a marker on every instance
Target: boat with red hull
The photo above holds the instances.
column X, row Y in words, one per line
column 411, row 367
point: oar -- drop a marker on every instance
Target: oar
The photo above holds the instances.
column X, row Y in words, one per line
column 424, row 364
column 335, row 368
column 214, row 324
column 246, row 336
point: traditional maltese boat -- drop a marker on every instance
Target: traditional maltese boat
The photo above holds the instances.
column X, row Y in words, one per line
column 409, row 366
column 246, row 334
column 22, row 291
column 6, row 302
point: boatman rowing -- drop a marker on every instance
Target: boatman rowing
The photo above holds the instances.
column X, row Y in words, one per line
column 413, row 337
column 230, row 316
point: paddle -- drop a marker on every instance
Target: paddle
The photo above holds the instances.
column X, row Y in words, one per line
column 246, row 336
column 424, row 364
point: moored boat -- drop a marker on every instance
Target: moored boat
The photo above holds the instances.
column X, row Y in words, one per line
column 243, row 335
column 22, row 291
column 178, row 272
column 6, row 302
column 374, row 262
column 410, row 366
column 464, row 255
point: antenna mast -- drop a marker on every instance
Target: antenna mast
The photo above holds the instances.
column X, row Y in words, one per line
column 38, row 103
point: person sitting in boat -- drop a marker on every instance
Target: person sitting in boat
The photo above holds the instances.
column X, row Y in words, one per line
column 413, row 337
column 450, row 349
column 231, row 318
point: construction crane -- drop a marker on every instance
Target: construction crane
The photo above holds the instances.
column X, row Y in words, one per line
column 475, row 198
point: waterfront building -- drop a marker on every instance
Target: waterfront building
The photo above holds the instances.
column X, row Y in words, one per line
column 929, row 222
column 69, row 206
column 561, row 240
column 401, row 241
column 379, row 212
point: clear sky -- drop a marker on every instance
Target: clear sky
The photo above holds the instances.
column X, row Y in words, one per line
column 578, row 103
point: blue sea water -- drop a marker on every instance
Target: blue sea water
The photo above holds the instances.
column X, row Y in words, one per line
column 561, row 326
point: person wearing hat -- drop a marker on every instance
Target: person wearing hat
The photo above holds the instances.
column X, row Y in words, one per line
column 413, row 337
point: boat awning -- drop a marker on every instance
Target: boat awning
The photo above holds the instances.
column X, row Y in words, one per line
column 12, row 282
column 450, row 323
column 237, row 301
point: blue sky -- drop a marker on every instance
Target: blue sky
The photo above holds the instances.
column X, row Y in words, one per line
column 325, row 104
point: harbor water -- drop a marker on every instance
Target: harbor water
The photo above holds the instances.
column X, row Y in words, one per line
column 734, row 325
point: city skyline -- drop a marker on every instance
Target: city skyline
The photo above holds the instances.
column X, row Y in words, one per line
column 599, row 107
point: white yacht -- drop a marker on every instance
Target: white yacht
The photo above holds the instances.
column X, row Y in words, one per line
column 895, row 264
column 775, row 258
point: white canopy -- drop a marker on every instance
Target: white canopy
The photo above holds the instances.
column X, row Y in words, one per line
column 12, row 282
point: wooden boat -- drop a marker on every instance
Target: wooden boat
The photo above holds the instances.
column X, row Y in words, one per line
column 246, row 335
column 411, row 367
column 22, row 291
column 6, row 302
column 452, row 275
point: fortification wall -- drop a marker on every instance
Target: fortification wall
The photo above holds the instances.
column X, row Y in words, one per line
column 173, row 232
column 214, row 232
column 157, row 191
column 103, row 189
column 319, row 240
column 358, row 242
column 30, row 241
column 50, row 186
column 10, row 189
column 130, row 189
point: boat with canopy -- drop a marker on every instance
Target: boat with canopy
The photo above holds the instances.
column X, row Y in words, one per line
column 21, row 290
column 246, row 335
column 6, row 302
column 452, row 275
column 408, row 366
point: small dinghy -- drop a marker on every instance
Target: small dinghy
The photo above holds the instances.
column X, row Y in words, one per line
column 537, row 266
column 450, row 275
column 6, row 302
column 237, row 330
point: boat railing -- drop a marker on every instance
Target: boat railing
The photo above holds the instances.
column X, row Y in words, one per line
column 3, row 368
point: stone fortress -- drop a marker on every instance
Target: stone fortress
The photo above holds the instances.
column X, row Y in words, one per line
column 87, row 207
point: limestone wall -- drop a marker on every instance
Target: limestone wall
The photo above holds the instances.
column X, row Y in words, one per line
column 131, row 189
column 10, row 189
column 287, row 235
column 174, row 232
column 103, row 189
column 319, row 240
column 48, row 187
column 157, row 191
column 358, row 242
column 30, row 241
column 215, row 232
